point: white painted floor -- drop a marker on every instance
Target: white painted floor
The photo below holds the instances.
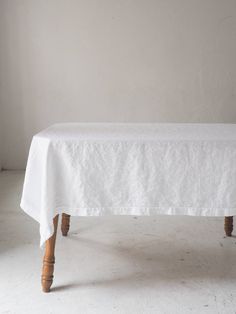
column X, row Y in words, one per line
column 120, row 264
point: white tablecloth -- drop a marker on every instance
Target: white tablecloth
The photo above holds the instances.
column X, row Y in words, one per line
column 87, row 169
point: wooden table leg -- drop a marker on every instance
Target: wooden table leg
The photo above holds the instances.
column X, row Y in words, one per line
column 229, row 225
column 49, row 259
column 65, row 224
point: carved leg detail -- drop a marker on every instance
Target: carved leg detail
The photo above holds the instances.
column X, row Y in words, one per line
column 49, row 259
column 65, row 224
column 229, row 225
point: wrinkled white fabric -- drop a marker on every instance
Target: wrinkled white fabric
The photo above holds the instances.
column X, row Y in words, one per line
column 87, row 169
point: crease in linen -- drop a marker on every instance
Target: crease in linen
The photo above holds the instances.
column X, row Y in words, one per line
column 109, row 173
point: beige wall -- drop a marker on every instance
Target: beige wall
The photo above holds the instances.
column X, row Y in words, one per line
column 114, row 60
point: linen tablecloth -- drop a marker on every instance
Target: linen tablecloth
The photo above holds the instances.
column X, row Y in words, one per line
column 86, row 169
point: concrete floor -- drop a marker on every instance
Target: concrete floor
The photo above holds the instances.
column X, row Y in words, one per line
column 120, row 264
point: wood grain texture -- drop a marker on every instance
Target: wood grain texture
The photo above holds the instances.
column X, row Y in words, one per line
column 65, row 224
column 228, row 226
column 49, row 259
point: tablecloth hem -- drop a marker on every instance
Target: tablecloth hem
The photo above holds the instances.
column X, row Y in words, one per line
column 147, row 211
column 131, row 211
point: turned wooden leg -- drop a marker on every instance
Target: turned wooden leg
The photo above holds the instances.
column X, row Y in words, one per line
column 49, row 259
column 229, row 225
column 65, row 224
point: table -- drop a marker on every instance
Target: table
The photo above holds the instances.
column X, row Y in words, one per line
column 91, row 169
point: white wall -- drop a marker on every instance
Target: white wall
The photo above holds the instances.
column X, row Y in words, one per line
column 1, row 85
column 1, row 148
column 1, row 144
column 114, row 60
column 1, row 152
column 1, row 118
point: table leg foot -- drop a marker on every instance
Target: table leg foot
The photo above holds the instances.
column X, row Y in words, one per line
column 47, row 276
column 49, row 259
column 65, row 224
column 228, row 226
